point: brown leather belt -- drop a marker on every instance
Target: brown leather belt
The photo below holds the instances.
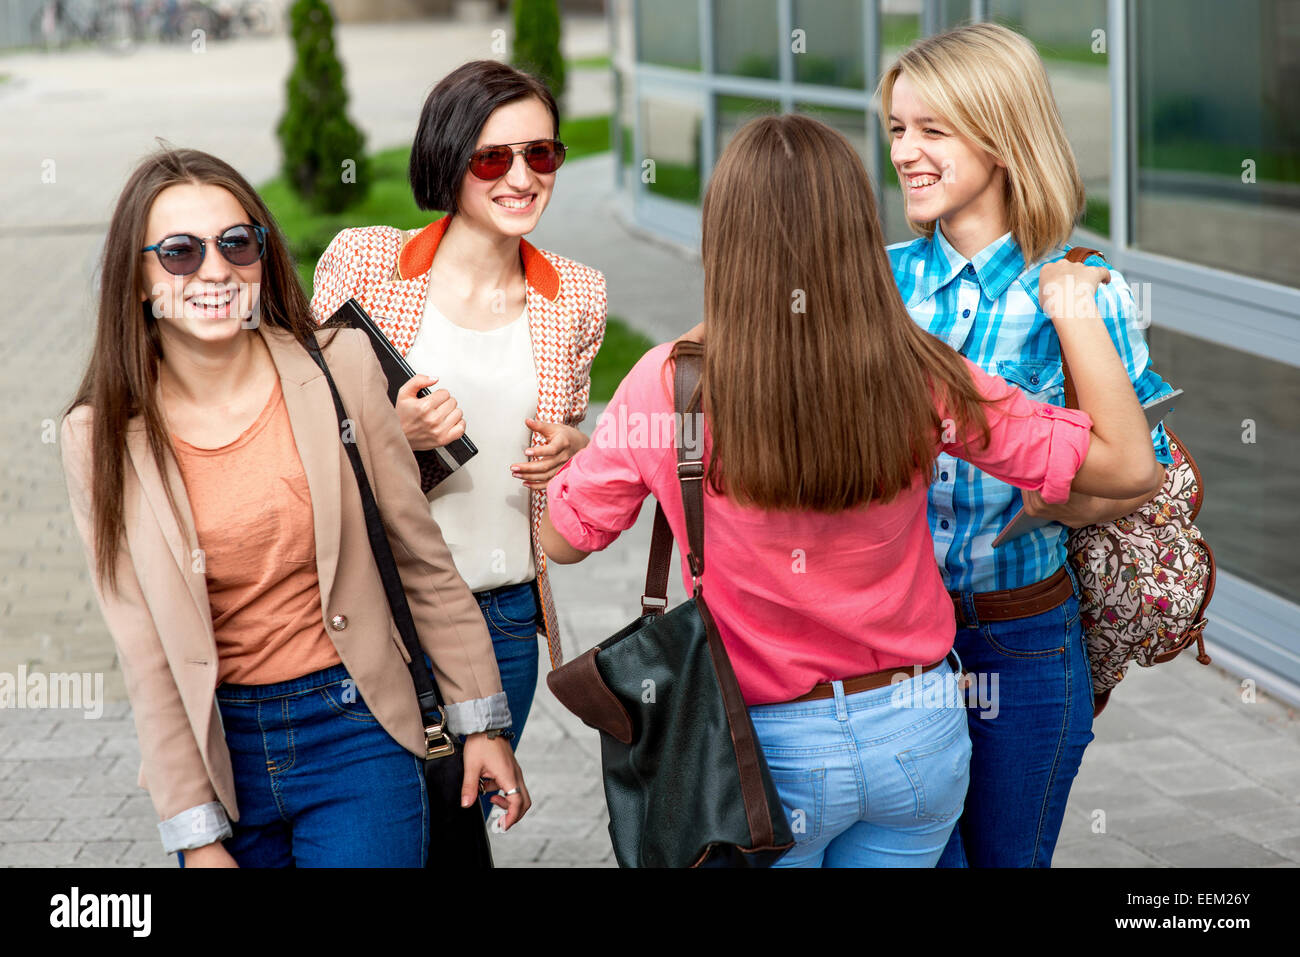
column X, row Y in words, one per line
column 1013, row 603
column 867, row 682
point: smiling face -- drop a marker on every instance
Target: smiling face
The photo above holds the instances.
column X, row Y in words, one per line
column 212, row 304
column 513, row 204
column 945, row 176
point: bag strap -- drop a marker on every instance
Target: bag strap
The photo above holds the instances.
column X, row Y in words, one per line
column 687, row 399
column 437, row 742
column 1077, row 254
column 688, row 356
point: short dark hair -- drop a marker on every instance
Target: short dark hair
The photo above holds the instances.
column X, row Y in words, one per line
column 452, row 118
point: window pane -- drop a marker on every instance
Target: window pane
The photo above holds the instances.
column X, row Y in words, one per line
column 1077, row 66
column 893, row 210
column 1218, row 134
column 668, row 32
column 746, row 39
column 852, row 123
column 1240, row 418
column 900, row 27
column 625, row 113
column 953, row 13
column 733, row 112
column 832, row 42
column 671, row 132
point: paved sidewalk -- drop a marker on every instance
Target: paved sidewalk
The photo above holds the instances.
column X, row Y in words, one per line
column 1183, row 772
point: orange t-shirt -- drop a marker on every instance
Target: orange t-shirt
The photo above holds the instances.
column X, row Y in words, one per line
column 253, row 516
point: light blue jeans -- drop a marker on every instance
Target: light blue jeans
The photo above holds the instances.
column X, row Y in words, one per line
column 874, row 779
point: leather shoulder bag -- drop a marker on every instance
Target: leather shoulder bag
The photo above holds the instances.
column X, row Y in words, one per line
column 1146, row 578
column 686, row 783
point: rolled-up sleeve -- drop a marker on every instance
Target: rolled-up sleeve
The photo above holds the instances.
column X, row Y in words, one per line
column 1032, row 445
column 599, row 492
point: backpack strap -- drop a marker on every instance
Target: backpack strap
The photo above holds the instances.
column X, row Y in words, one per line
column 1077, row 254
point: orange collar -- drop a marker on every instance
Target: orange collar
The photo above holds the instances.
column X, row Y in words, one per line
column 417, row 256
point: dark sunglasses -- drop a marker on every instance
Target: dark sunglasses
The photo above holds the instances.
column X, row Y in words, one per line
column 493, row 162
column 183, row 254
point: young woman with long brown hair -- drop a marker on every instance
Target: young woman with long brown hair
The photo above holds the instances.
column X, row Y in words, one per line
column 228, row 548
column 824, row 409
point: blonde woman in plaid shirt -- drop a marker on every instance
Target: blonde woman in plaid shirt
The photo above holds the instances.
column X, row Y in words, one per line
column 991, row 184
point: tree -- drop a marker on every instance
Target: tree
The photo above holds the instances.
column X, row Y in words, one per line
column 324, row 159
column 537, row 43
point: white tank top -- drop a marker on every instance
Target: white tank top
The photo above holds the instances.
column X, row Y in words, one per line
column 483, row 510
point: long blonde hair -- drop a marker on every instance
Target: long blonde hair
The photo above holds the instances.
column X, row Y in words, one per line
column 990, row 84
column 819, row 388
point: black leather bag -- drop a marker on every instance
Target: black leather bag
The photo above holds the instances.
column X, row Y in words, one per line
column 686, row 783
column 457, row 835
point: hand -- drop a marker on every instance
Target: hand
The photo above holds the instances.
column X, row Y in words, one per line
column 562, row 442
column 209, row 855
column 1067, row 290
column 1078, row 512
column 493, row 760
column 431, row 422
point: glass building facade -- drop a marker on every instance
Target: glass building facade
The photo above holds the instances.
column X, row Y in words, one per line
column 1185, row 120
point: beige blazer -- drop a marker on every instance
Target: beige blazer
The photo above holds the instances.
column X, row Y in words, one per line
column 161, row 621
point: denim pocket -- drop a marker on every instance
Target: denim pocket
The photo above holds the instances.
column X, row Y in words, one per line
column 515, row 616
column 939, row 771
column 345, row 699
column 803, row 795
column 1040, row 636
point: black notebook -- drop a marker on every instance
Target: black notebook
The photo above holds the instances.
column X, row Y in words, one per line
column 435, row 464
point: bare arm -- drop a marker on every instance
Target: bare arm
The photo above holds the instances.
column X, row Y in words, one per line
column 557, row 549
column 1120, row 463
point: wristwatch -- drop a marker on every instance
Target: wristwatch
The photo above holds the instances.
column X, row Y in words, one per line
column 501, row 733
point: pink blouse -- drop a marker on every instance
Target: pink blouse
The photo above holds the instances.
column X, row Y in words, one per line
column 802, row 597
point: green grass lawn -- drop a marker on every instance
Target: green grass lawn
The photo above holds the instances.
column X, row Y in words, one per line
column 588, row 63
column 619, row 352
column 389, row 202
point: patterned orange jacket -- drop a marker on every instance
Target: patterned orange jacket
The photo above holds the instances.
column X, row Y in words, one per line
column 387, row 271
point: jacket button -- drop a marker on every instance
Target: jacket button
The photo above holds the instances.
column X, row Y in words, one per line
column 339, row 622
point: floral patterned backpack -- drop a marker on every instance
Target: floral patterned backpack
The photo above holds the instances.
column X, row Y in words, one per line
column 1147, row 577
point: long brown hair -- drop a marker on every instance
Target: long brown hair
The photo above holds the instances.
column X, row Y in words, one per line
column 121, row 379
column 818, row 386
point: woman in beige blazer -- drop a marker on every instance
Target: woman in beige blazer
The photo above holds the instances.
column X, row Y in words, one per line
column 228, row 548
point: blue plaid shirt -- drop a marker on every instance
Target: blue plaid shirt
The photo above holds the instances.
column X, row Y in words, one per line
column 987, row 309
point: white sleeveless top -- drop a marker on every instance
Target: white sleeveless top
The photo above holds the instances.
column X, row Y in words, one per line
column 483, row 510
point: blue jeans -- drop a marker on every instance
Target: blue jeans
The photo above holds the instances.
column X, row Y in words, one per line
column 511, row 615
column 873, row 779
column 1028, row 739
column 318, row 780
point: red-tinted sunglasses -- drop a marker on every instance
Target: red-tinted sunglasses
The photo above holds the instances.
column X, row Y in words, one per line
column 493, row 162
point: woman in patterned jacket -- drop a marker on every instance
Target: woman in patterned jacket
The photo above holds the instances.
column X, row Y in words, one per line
column 502, row 332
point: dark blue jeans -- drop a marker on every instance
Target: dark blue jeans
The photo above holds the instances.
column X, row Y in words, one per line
column 511, row 614
column 1030, row 718
column 318, row 780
